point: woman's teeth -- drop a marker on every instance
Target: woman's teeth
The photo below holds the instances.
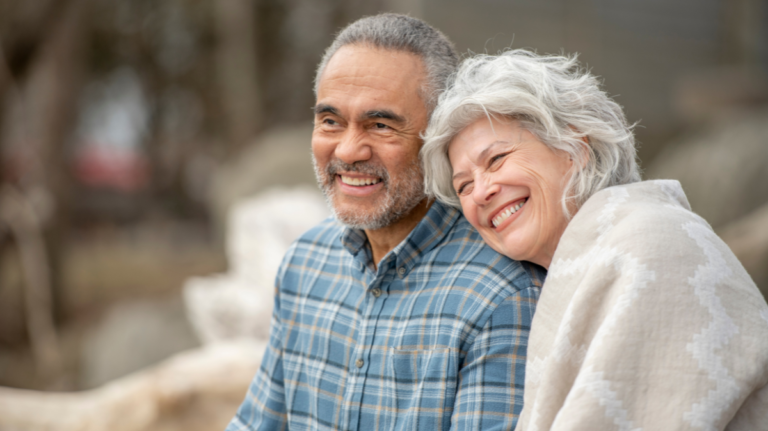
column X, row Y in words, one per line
column 359, row 181
column 508, row 212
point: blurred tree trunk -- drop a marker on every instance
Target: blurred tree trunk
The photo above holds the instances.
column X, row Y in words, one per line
column 54, row 87
column 23, row 220
column 24, row 26
column 238, row 71
column 743, row 31
column 6, row 78
column 41, row 60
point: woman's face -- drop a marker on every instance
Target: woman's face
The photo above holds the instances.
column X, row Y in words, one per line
column 510, row 186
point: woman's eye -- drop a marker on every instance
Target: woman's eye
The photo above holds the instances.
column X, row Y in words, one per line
column 498, row 157
column 493, row 161
column 464, row 188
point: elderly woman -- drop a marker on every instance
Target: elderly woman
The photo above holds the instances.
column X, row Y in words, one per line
column 646, row 320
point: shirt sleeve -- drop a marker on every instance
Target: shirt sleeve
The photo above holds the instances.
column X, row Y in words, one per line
column 490, row 394
column 264, row 404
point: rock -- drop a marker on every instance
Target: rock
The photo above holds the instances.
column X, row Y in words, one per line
column 262, row 227
column 224, row 307
column 260, row 231
column 748, row 239
column 132, row 336
column 196, row 390
column 723, row 169
column 704, row 95
column 281, row 156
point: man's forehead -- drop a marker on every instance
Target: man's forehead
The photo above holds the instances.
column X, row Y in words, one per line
column 365, row 65
column 359, row 51
column 366, row 79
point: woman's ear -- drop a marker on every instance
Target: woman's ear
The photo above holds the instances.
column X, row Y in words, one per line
column 583, row 153
column 583, row 150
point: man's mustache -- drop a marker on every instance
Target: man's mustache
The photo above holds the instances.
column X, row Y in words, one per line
column 336, row 166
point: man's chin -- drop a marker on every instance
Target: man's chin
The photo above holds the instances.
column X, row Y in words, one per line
column 360, row 218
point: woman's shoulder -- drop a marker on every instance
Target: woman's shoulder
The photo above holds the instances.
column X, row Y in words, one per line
column 646, row 226
column 649, row 227
column 648, row 210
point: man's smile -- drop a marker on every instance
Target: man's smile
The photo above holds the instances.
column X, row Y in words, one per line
column 359, row 181
column 359, row 185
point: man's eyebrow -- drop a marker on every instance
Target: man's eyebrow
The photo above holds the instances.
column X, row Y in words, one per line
column 384, row 114
column 323, row 108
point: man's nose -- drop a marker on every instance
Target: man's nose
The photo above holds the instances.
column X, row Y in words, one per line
column 353, row 147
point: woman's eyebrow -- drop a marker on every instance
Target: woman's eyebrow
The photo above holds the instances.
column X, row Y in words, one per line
column 458, row 174
column 483, row 154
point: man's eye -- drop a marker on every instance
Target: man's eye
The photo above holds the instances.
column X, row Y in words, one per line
column 380, row 126
column 330, row 122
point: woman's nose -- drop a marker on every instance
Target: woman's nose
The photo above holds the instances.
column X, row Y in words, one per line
column 484, row 191
column 353, row 147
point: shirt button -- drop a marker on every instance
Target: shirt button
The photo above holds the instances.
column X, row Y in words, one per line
column 359, row 363
column 401, row 271
column 376, row 292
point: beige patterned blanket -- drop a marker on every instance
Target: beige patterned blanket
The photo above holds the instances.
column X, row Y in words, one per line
column 646, row 321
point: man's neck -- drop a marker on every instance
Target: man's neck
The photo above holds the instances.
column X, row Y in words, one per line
column 385, row 239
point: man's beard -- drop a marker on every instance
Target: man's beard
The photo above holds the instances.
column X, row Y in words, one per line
column 401, row 194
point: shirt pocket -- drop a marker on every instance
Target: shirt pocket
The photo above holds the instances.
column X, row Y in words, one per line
column 425, row 387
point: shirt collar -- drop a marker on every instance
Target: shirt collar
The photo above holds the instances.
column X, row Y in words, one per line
column 424, row 237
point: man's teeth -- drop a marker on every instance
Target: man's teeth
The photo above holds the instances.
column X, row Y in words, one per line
column 359, row 181
column 506, row 213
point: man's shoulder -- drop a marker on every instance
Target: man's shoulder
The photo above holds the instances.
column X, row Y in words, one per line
column 316, row 250
column 327, row 232
column 322, row 239
column 464, row 253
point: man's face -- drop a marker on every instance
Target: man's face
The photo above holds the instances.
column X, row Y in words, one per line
column 366, row 140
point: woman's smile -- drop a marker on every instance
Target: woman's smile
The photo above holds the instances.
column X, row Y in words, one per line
column 505, row 214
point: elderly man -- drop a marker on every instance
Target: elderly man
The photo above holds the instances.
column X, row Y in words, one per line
column 392, row 314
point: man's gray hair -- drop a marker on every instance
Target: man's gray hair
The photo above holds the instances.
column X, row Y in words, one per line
column 401, row 33
column 551, row 97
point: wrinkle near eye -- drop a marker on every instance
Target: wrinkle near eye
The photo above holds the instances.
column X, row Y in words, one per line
column 464, row 188
column 498, row 157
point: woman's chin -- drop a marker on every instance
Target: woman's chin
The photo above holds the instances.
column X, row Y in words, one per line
column 501, row 247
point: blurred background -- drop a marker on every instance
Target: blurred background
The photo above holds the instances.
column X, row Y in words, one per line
column 144, row 143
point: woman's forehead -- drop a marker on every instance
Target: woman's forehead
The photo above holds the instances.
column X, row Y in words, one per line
column 482, row 137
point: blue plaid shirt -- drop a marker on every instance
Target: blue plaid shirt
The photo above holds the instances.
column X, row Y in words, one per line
column 435, row 338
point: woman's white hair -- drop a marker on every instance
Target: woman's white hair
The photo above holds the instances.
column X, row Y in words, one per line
column 551, row 97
